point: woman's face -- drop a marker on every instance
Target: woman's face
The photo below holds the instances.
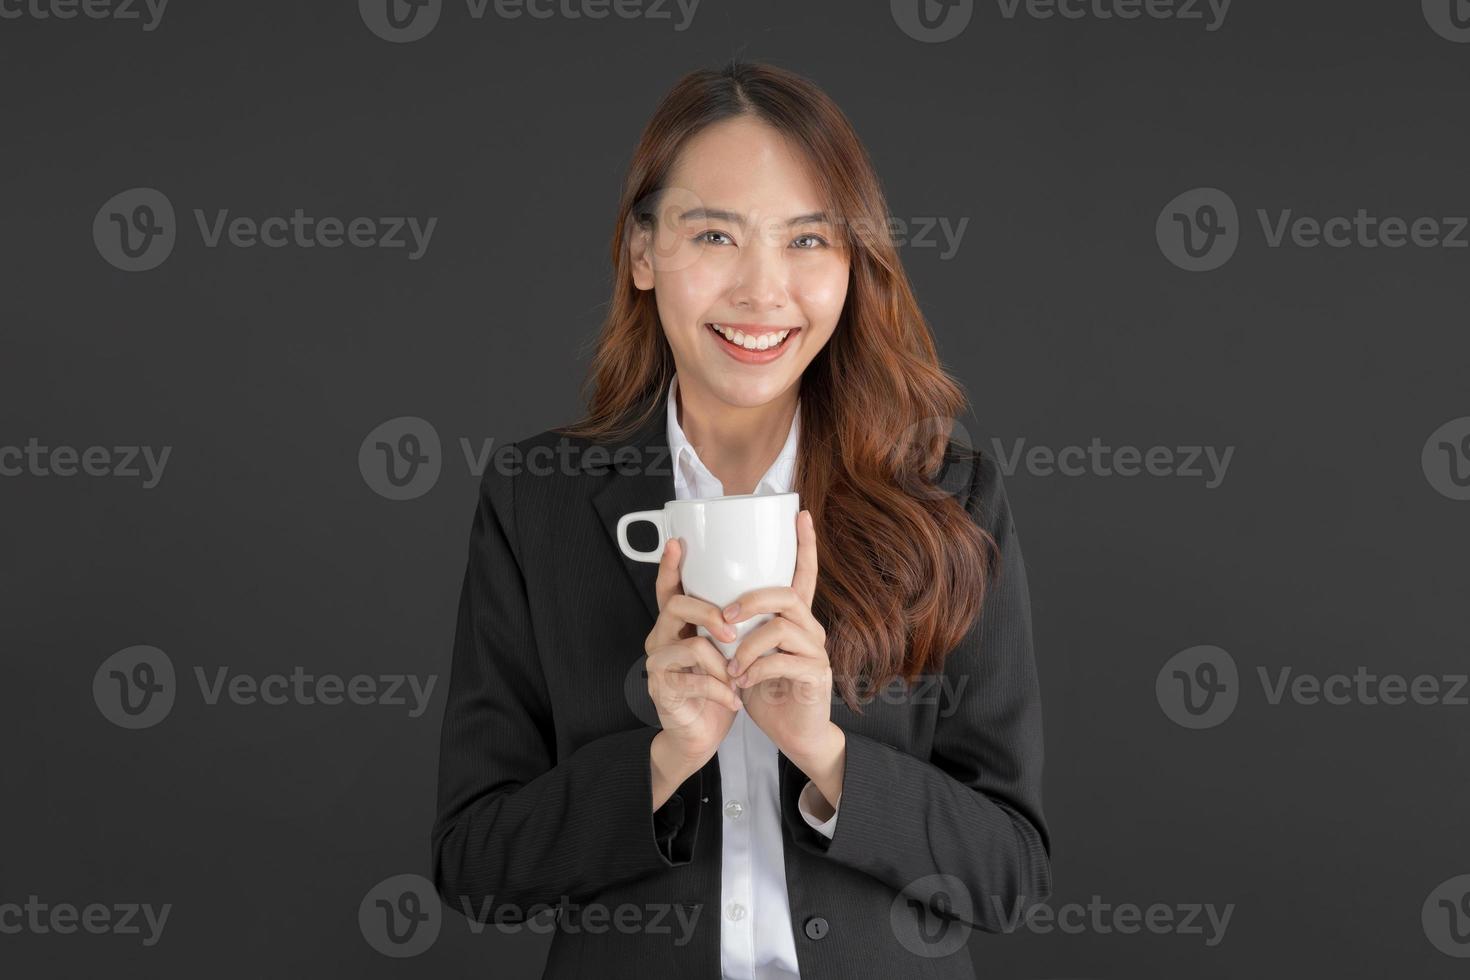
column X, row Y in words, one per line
column 740, row 243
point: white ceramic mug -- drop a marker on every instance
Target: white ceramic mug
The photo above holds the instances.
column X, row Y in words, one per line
column 731, row 546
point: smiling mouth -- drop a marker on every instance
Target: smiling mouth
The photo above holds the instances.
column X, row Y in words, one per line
column 755, row 342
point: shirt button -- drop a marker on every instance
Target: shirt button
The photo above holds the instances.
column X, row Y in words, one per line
column 815, row 927
column 736, row 911
column 733, row 809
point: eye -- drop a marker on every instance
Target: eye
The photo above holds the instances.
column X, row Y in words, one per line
column 821, row 242
column 704, row 237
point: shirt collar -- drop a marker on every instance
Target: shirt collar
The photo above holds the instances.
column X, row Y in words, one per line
column 778, row 477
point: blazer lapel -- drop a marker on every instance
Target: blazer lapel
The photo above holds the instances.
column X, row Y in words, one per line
column 644, row 480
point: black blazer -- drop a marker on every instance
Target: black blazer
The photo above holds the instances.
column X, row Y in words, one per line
column 545, row 787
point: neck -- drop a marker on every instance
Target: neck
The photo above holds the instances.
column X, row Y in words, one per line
column 736, row 444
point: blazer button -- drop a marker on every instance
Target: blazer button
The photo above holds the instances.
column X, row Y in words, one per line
column 815, row 927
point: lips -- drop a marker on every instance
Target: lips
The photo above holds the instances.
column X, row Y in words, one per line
column 756, row 356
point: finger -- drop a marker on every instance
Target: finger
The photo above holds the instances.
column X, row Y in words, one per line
column 667, row 583
column 697, row 689
column 804, row 581
column 796, row 680
column 694, row 654
column 722, row 694
column 687, row 609
column 778, row 599
column 780, row 635
column 769, row 668
column 705, row 656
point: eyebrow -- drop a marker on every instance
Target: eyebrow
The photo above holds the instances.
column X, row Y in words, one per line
column 718, row 214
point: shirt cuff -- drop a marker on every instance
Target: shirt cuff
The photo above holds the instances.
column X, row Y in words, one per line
column 804, row 803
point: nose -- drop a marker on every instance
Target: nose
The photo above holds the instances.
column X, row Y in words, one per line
column 760, row 278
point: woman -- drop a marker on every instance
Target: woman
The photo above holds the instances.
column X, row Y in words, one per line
column 851, row 805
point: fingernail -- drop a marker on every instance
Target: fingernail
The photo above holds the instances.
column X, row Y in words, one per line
column 732, row 610
column 728, row 632
column 734, row 668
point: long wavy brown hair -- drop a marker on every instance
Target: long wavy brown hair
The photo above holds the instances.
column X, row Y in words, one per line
column 903, row 567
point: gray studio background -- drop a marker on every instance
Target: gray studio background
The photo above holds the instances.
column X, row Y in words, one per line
column 1055, row 150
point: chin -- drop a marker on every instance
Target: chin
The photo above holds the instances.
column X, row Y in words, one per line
column 742, row 393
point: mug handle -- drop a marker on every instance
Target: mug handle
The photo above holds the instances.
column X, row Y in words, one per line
column 654, row 517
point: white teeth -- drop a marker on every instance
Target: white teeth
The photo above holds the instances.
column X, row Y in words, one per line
column 764, row 342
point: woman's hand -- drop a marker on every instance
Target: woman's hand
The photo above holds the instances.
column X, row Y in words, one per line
column 687, row 679
column 789, row 693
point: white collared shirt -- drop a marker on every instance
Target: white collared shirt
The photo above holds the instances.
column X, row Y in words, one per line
column 756, row 937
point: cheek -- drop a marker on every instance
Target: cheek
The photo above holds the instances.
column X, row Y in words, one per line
column 691, row 291
column 823, row 293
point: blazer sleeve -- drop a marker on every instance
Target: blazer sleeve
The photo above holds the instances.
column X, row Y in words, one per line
column 516, row 827
column 971, row 812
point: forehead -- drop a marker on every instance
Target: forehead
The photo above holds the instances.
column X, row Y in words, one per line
column 744, row 164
